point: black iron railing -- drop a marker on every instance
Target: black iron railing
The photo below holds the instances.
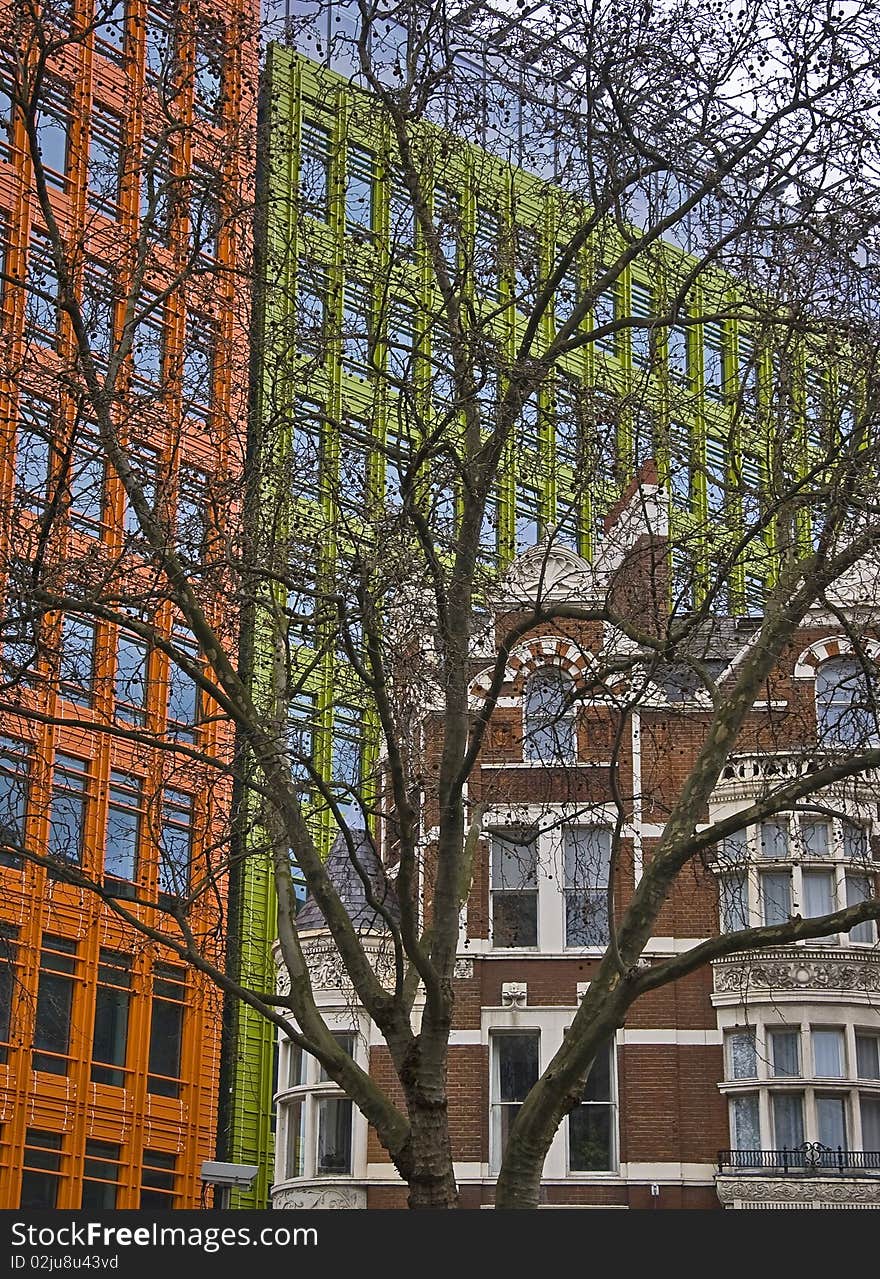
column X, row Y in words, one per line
column 810, row 1157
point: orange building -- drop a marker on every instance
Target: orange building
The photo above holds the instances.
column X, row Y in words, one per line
column 111, row 754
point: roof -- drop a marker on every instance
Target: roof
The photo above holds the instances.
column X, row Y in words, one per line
column 350, row 887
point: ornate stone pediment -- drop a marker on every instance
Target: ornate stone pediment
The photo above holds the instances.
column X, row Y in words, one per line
column 552, row 572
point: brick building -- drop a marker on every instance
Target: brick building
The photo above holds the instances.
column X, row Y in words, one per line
column 109, row 1044
column 751, row 1082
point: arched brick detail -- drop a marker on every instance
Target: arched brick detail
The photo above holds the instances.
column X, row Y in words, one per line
column 823, row 650
column 548, row 650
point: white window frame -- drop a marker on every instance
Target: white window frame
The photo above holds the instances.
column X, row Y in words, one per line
column 802, row 1020
column 550, row 1024
column 309, row 1091
column 551, row 932
column 796, row 864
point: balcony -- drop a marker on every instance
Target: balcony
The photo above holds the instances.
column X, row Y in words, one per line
column 808, row 1176
column 745, row 776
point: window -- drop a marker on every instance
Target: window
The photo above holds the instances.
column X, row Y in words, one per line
column 67, row 814
column 199, row 356
column 301, row 713
column 845, row 707
column 748, row 373
column 548, row 708
column 527, row 266
column 642, row 308
column 447, row 222
column 53, row 132
column 489, row 529
column 175, row 844
column 605, row 312
column 14, row 770
column 148, row 344
column 567, row 294
column 514, row 889
column 208, row 71
column 7, row 119
column 183, row 691
column 311, row 316
column 803, row 866
column 781, row 1116
column 716, row 476
column 302, row 591
column 487, row 255
column 54, row 1004
column 680, row 453
column 42, row 318
column 401, row 343
column 205, row 215
column 314, row 170
column 317, row 1122
column 100, row 1174
column 347, row 756
column 528, row 517
column 742, row 1054
column 679, row 351
column 867, row 1056
column 158, row 191
column 359, row 187
column 33, row 452
column 110, row 35
column 356, row 318
column 166, row 1030
column 191, row 520
column 131, row 678
column 587, row 862
column 106, row 161
column 158, row 1179
column 402, row 218
column 8, row 982
column 87, row 478
column 567, row 422
column 123, row 827
column 591, row 1123
column 110, row 1031
column 514, row 1059
column 41, row 1177
column 159, row 43
column 714, row 371
column 76, row 664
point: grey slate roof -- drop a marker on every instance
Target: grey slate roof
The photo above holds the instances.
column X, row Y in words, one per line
column 351, row 889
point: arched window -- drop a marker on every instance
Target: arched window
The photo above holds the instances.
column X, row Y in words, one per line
column 549, row 716
column 845, row 704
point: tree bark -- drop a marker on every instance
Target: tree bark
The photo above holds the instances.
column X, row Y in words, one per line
column 431, row 1178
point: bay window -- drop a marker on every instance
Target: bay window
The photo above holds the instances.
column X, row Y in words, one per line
column 793, row 865
column 803, row 1082
column 318, row 1136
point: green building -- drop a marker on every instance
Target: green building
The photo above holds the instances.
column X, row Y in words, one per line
column 354, row 376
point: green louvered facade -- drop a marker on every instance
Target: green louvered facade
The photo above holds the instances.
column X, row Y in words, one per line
column 700, row 397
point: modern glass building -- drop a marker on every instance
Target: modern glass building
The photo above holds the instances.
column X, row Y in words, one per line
column 109, row 1042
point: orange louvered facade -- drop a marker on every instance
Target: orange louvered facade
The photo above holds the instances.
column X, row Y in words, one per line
column 109, row 1043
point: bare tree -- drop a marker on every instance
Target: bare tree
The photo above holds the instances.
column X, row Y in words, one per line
column 732, row 201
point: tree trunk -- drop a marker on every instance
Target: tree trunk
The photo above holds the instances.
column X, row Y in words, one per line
column 431, row 1178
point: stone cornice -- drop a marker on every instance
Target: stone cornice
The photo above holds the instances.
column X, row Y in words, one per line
column 744, row 1191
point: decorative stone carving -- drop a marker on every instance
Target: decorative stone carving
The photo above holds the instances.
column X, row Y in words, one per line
column 319, row 1197
column 798, row 1192
column 745, row 776
column 463, row 969
column 514, row 994
column 551, row 572
column 327, row 971
column 581, row 989
column 804, row 972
